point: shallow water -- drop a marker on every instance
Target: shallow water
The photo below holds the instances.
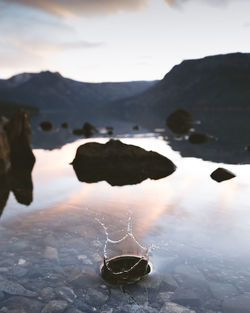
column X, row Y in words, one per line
column 198, row 232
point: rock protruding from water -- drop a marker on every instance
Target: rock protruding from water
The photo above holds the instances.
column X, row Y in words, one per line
column 87, row 130
column 222, row 174
column 180, row 121
column 16, row 160
column 46, row 126
column 119, row 164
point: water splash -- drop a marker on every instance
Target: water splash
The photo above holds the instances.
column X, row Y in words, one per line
column 125, row 260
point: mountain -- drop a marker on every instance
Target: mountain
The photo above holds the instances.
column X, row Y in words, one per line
column 215, row 90
column 214, row 83
column 52, row 92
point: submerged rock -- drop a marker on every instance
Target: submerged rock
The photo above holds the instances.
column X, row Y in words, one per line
column 16, row 289
column 180, row 121
column 119, row 164
column 55, row 306
column 222, row 174
column 64, row 125
column 198, row 138
column 46, row 126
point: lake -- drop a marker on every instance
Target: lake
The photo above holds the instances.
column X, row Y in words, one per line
column 196, row 229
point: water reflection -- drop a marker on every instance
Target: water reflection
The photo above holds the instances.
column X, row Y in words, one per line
column 199, row 231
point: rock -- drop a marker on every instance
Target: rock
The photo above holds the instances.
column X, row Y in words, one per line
column 180, row 121
column 47, row 294
column 95, row 297
column 119, row 164
column 198, row 138
column 239, row 304
column 171, row 307
column 55, row 306
column 64, row 125
column 46, row 126
column 18, row 132
column 20, row 271
column 4, row 152
column 136, row 127
column 221, row 290
column 16, row 289
column 51, row 253
column 66, row 293
column 87, row 130
column 222, row 174
column 21, row 305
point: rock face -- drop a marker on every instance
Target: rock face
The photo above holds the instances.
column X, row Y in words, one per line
column 16, row 160
column 222, row 174
column 180, row 121
column 119, row 164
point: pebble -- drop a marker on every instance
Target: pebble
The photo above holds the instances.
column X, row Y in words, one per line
column 51, row 253
column 12, row 288
column 55, row 306
column 66, row 293
column 171, row 307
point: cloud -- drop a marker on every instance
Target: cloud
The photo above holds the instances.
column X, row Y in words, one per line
column 81, row 7
column 178, row 3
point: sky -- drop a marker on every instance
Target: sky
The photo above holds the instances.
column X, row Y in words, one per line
column 117, row 40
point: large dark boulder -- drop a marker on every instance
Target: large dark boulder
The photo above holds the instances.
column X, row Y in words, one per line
column 222, row 174
column 4, row 151
column 198, row 138
column 46, row 126
column 180, row 121
column 16, row 160
column 18, row 132
column 119, row 164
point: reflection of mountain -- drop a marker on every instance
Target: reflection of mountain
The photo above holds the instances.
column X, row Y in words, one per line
column 215, row 90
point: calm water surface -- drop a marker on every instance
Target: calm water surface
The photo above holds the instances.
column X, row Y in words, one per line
column 197, row 230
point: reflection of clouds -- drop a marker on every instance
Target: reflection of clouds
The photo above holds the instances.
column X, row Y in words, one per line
column 82, row 7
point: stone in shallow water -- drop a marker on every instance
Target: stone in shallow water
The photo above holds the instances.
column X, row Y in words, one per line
column 51, row 253
column 239, row 304
column 21, row 304
column 56, row 306
column 66, row 293
column 16, row 289
column 47, row 293
column 171, row 307
column 222, row 174
column 95, row 297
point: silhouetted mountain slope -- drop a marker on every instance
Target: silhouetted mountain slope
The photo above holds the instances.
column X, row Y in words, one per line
column 7, row 108
column 217, row 83
column 50, row 91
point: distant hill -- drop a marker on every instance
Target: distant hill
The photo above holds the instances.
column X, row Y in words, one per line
column 52, row 92
column 215, row 90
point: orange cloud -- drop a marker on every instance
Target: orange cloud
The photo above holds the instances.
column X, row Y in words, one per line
column 82, row 7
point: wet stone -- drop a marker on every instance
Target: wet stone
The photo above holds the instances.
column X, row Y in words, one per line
column 19, row 271
column 135, row 308
column 66, row 293
column 170, row 307
column 47, row 294
column 81, row 305
column 22, row 304
column 13, row 288
column 56, row 306
column 95, row 297
column 51, row 253
column 239, row 304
